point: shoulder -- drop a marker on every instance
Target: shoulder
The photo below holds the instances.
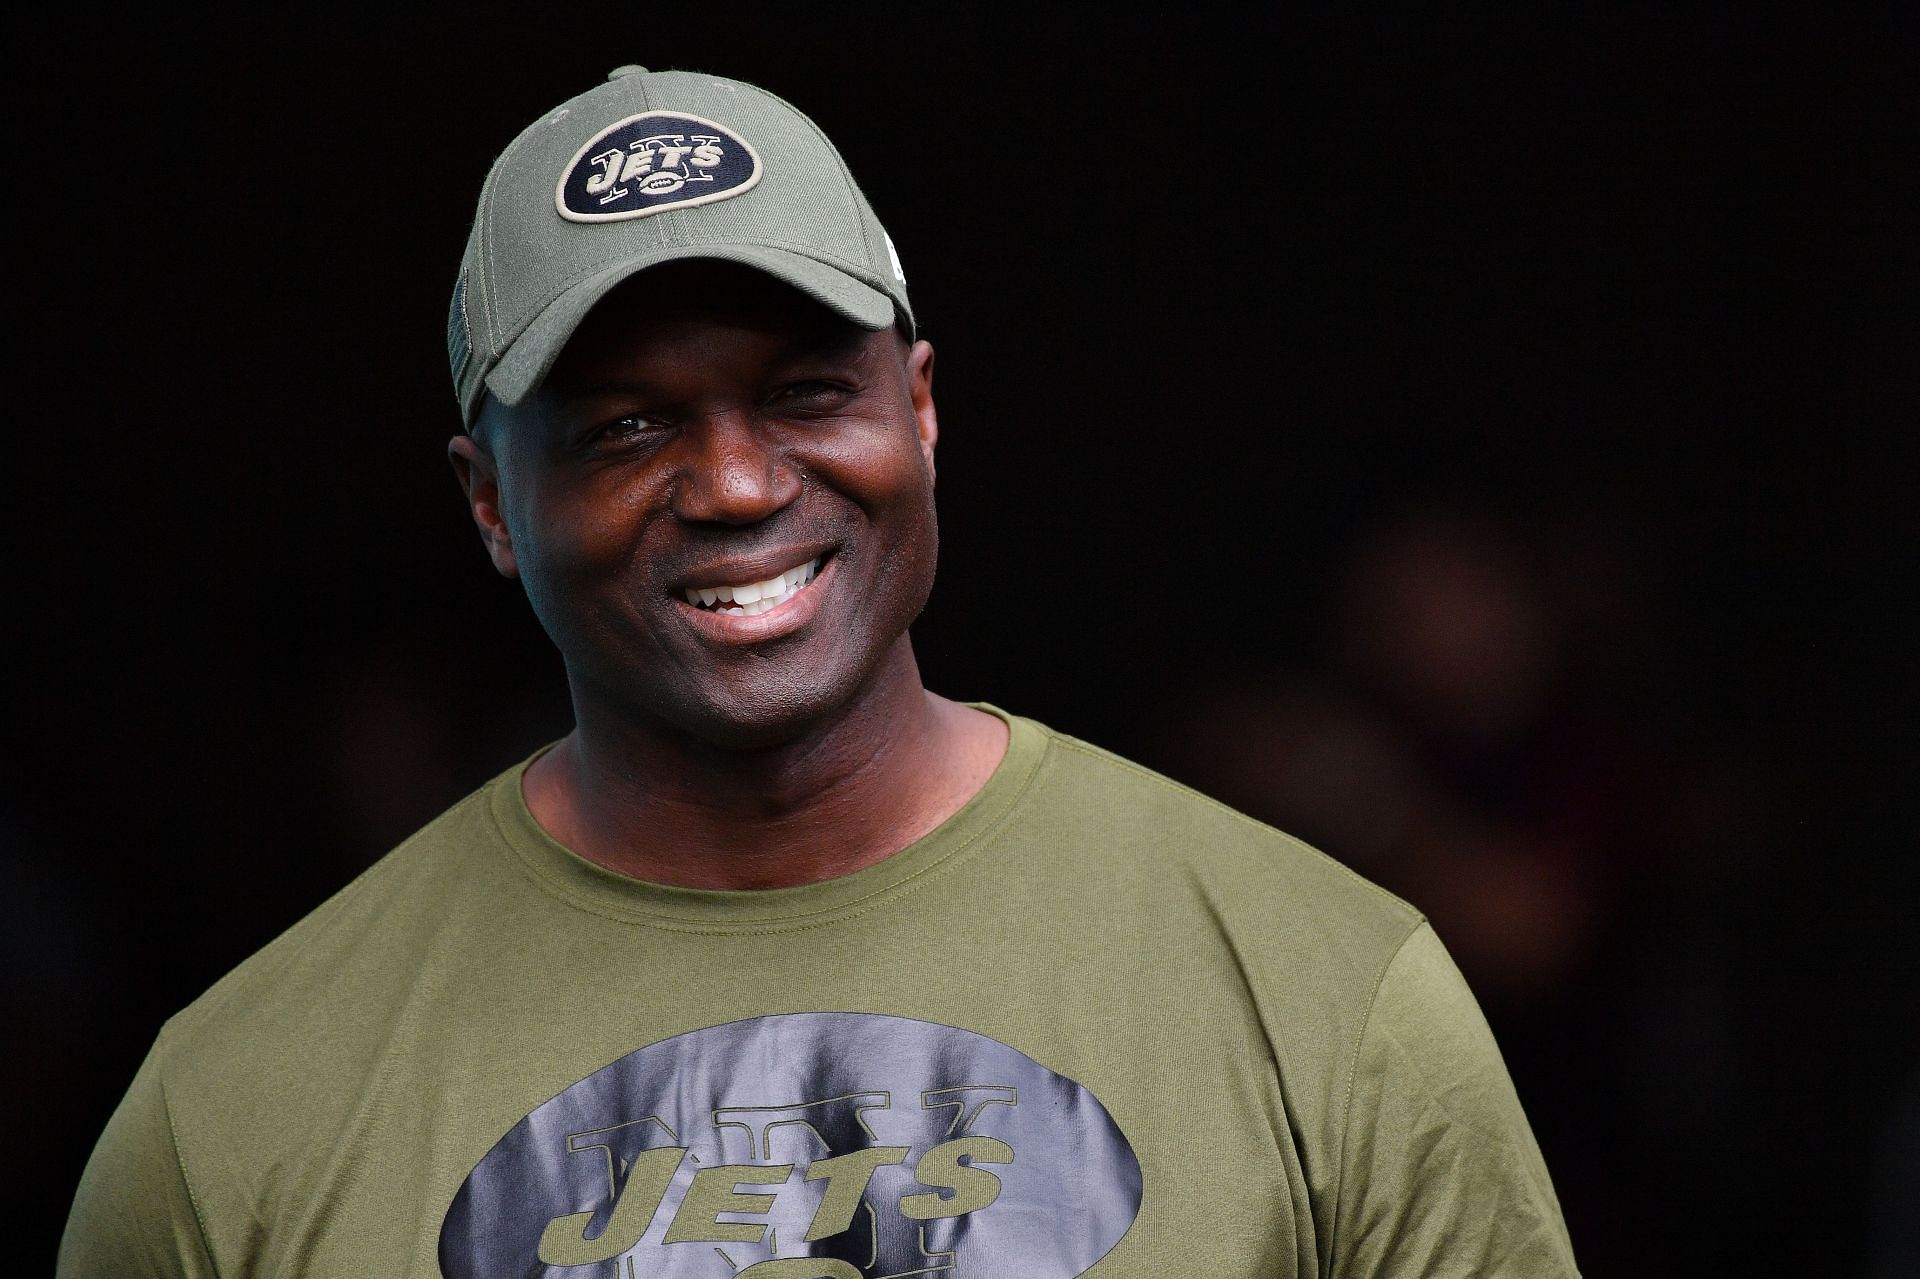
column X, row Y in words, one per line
column 242, row 1083
column 1202, row 898
column 372, row 916
column 325, row 990
column 1135, row 854
column 1138, row 821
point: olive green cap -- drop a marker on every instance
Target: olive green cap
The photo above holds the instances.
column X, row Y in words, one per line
column 652, row 167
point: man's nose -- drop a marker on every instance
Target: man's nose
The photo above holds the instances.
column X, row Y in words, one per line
column 730, row 473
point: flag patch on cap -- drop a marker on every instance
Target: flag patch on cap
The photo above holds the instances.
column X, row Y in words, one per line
column 653, row 162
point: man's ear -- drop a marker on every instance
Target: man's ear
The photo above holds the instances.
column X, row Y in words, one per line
column 920, row 387
column 479, row 476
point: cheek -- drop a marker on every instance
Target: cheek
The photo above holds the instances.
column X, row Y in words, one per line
column 551, row 576
column 579, row 555
column 880, row 468
column 894, row 491
column 891, row 483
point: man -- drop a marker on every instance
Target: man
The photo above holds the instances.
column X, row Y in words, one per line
column 779, row 965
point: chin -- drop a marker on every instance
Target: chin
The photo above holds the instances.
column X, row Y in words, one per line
column 767, row 715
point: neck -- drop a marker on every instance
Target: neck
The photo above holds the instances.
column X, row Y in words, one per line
column 655, row 803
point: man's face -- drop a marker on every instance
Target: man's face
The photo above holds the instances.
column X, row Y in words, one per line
column 710, row 434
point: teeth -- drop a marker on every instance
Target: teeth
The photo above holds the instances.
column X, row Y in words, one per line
column 755, row 597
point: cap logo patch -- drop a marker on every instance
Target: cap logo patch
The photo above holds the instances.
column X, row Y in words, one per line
column 653, row 162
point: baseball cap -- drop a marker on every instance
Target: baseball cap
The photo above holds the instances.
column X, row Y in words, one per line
column 653, row 167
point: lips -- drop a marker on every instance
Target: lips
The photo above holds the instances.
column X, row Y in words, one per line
column 750, row 599
column 785, row 599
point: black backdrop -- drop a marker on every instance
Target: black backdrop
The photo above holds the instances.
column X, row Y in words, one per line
column 1218, row 299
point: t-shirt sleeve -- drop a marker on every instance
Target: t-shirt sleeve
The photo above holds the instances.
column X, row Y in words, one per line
column 133, row 1215
column 1439, row 1172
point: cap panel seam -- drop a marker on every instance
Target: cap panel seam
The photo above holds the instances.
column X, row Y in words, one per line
column 488, row 191
column 480, row 279
column 500, row 167
column 494, row 345
column 846, row 175
column 489, row 202
column 669, row 218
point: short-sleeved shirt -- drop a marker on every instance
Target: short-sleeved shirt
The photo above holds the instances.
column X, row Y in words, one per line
column 1093, row 1023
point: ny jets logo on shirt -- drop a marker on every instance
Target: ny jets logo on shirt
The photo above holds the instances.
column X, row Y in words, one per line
column 803, row 1146
column 653, row 162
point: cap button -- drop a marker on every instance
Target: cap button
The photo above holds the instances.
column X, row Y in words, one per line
column 632, row 68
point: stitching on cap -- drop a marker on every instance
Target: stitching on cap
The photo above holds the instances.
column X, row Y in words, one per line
column 866, row 234
column 489, row 202
column 487, row 273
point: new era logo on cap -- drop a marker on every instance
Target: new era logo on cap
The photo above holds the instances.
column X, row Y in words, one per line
column 653, row 162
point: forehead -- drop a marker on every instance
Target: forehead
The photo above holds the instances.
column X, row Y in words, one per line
column 689, row 311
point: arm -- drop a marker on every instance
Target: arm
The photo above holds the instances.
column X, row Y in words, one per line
column 1439, row 1173
column 134, row 1214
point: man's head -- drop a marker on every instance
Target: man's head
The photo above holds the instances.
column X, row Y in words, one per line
column 710, row 423
column 649, row 168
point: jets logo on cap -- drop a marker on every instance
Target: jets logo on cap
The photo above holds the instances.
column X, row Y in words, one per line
column 653, row 162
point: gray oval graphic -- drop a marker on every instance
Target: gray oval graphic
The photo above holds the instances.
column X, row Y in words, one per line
column 802, row 1146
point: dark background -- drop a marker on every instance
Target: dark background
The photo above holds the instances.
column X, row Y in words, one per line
column 1479, row 446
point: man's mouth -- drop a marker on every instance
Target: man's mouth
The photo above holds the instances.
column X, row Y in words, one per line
column 751, row 598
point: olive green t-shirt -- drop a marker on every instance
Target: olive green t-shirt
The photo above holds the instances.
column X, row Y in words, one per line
column 1093, row 1023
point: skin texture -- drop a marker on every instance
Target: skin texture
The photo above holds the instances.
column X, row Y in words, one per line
column 707, row 424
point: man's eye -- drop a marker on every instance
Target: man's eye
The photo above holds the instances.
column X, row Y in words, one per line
column 812, row 393
column 632, row 427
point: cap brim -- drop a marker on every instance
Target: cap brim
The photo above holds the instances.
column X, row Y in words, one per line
column 530, row 357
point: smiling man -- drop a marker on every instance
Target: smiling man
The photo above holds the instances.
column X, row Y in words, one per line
column 779, row 965
column 720, row 502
